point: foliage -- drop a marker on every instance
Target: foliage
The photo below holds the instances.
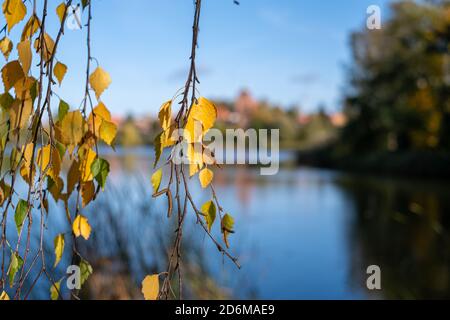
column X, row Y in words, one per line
column 399, row 96
column 36, row 143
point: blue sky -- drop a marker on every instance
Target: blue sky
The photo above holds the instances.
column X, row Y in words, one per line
column 285, row 51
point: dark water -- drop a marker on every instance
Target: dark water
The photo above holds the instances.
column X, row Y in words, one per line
column 301, row 234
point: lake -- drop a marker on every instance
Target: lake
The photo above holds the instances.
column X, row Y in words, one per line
column 304, row 233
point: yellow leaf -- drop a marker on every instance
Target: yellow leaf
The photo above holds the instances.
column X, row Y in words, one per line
column 24, row 86
column 108, row 132
column 59, row 71
column 165, row 115
column 202, row 117
column 150, row 287
column 99, row 81
column 60, row 11
column 73, row 176
column 81, row 227
column 72, row 128
column 31, row 27
column 26, row 165
column 99, row 114
column 59, row 248
column 4, row 296
column 20, row 113
column 87, row 158
column 49, row 161
column 6, row 46
column 156, row 180
column 206, row 177
column 195, row 157
column 14, row 11
column 55, row 289
column 25, row 55
column 11, row 73
column 48, row 44
column 87, row 192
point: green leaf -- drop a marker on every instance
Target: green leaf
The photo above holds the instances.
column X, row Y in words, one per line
column 14, row 266
column 100, row 171
column 227, row 225
column 63, row 109
column 21, row 213
column 156, row 180
column 59, row 248
column 85, row 271
column 6, row 100
column 209, row 210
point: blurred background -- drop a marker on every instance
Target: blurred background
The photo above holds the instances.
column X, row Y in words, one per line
column 365, row 125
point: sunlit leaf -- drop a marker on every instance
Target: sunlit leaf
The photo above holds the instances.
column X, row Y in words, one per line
column 54, row 290
column 165, row 115
column 108, row 132
column 99, row 81
column 25, row 55
column 49, row 161
column 150, row 287
column 227, row 225
column 85, row 271
column 58, row 243
column 6, row 46
column 14, row 12
column 81, row 227
column 60, row 11
column 87, row 158
column 209, row 211
column 59, row 71
column 206, row 176
column 156, row 180
column 4, row 296
column 31, row 27
column 72, row 128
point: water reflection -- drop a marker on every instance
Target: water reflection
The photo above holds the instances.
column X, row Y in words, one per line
column 301, row 234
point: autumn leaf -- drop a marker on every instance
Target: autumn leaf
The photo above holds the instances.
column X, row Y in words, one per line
column 87, row 192
column 20, row 112
column 11, row 73
column 6, row 47
column 58, row 243
column 227, row 225
column 60, row 11
column 202, row 116
column 59, row 71
column 81, row 227
column 73, row 176
column 150, row 287
column 108, row 132
column 206, row 177
column 97, row 116
column 14, row 11
column 4, row 296
column 25, row 55
column 47, row 43
column 156, row 180
column 165, row 115
column 99, row 81
column 27, row 164
column 209, row 211
column 31, row 27
column 87, row 158
column 49, row 161
column 54, row 290
column 72, row 128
